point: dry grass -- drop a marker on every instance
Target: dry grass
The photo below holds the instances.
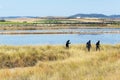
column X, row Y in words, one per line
column 88, row 19
column 65, row 64
column 23, row 19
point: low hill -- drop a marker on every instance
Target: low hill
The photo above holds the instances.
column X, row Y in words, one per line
column 93, row 16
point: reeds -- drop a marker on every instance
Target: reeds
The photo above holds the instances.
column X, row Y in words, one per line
column 59, row 63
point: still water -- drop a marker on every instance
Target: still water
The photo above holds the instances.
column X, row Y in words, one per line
column 45, row 39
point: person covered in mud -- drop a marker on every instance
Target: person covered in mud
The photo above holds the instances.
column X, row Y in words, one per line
column 88, row 45
column 67, row 43
column 98, row 46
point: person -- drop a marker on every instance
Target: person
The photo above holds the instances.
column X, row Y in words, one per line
column 67, row 43
column 98, row 46
column 88, row 45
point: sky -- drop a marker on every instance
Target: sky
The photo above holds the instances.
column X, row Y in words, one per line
column 58, row 7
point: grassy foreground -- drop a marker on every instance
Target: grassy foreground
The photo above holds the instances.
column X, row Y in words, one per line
column 59, row 63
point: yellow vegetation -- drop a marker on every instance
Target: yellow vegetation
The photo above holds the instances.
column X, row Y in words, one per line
column 59, row 63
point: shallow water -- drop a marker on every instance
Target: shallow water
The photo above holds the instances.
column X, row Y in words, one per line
column 43, row 39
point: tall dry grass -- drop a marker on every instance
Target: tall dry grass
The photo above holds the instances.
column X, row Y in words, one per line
column 59, row 63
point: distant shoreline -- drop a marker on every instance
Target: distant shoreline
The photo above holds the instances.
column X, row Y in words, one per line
column 27, row 30
column 16, row 33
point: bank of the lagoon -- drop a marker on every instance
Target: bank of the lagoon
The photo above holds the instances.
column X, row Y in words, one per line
column 58, row 63
column 53, row 39
column 64, row 31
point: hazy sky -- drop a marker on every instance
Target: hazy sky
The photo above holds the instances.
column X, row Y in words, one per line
column 57, row 7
